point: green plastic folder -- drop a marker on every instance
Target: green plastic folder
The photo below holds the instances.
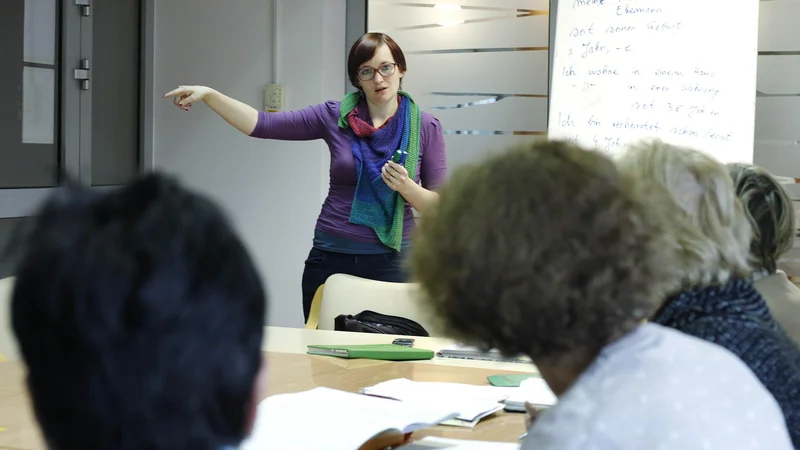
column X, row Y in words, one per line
column 510, row 380
column 383, row 352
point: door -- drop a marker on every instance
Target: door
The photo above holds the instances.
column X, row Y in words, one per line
column 70, row 81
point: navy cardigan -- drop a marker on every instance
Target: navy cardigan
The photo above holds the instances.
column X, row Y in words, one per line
column 736, row 317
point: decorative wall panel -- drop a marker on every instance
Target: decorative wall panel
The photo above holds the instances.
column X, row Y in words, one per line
column 481, row 67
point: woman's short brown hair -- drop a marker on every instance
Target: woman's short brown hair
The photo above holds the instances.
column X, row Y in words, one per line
column 364, row 49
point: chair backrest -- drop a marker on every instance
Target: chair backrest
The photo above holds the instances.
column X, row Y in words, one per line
column 8, row 344
column 346, row 294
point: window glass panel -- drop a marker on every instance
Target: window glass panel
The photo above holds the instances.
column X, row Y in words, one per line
column 29, row 144
column 40, row 32
column 38, row 105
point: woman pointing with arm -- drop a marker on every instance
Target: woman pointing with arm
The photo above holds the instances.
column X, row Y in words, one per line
column 366, row 220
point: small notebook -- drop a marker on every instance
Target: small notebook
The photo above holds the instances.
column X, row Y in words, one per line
column 383, row 352
column 510, row 380
column 460, row 351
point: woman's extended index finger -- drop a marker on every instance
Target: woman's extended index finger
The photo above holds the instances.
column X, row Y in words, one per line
column 177, row 91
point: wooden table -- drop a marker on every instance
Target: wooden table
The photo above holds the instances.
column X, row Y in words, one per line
column 291, row 370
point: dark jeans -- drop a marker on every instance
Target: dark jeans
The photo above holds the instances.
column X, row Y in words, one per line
column 321, row 264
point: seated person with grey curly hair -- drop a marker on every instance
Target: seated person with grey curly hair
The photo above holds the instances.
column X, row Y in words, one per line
column 547, row 251
column 713, row 298
column 771, row 216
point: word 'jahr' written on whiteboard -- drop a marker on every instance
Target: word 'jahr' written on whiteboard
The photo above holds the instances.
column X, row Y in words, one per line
column 683, row 71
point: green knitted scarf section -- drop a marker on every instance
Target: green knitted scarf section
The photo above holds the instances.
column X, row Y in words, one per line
column 391, row 235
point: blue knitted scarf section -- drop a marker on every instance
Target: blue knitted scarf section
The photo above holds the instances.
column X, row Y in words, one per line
column 375, row 204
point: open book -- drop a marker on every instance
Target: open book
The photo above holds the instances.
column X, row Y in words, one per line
column 473, row 403
column 336, row 420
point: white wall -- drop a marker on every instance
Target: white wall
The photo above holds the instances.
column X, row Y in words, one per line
column 272, row 190
column 777, row 129
column 778, row 103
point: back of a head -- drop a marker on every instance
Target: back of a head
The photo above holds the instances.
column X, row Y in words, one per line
column 698, row 206
column 139, row 315
column 541, row 250
column 770, row 212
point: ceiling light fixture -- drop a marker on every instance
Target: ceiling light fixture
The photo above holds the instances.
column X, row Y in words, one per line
column 445, row 13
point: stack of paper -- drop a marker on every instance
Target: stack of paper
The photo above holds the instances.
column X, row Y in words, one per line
column 460, row 351
column 457, row 444
column 473, row 403
column 534, row 391
column 336, row 420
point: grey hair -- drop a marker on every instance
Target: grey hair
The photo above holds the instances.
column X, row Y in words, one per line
column 770, row 211
column 693, row 196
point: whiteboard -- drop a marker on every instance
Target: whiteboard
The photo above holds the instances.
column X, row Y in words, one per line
column 683, row 71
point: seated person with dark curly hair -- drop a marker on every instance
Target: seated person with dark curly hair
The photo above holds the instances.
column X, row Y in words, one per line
column 546, row 250
column 139, row 315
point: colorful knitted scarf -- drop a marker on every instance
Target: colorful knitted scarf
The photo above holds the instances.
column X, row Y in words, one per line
column 375, row 204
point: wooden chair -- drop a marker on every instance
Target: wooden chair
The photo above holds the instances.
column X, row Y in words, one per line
column 8, row 344
column 313, row 315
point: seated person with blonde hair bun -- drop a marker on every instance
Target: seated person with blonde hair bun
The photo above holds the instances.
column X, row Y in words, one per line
column 771, row 215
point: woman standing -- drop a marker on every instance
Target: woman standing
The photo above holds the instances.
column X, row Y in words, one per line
column 382, row 147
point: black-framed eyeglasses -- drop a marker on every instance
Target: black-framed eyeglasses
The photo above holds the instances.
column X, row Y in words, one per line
column 368, row 73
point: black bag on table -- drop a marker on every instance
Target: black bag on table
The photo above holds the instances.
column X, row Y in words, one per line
column 373, row 322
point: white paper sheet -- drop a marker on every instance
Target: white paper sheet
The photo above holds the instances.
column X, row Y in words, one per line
column 472, row 402
column 683, row 71
column 534, row 391
column 403, row 388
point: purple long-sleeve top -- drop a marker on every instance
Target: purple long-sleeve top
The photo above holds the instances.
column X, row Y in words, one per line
column 321, row 122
